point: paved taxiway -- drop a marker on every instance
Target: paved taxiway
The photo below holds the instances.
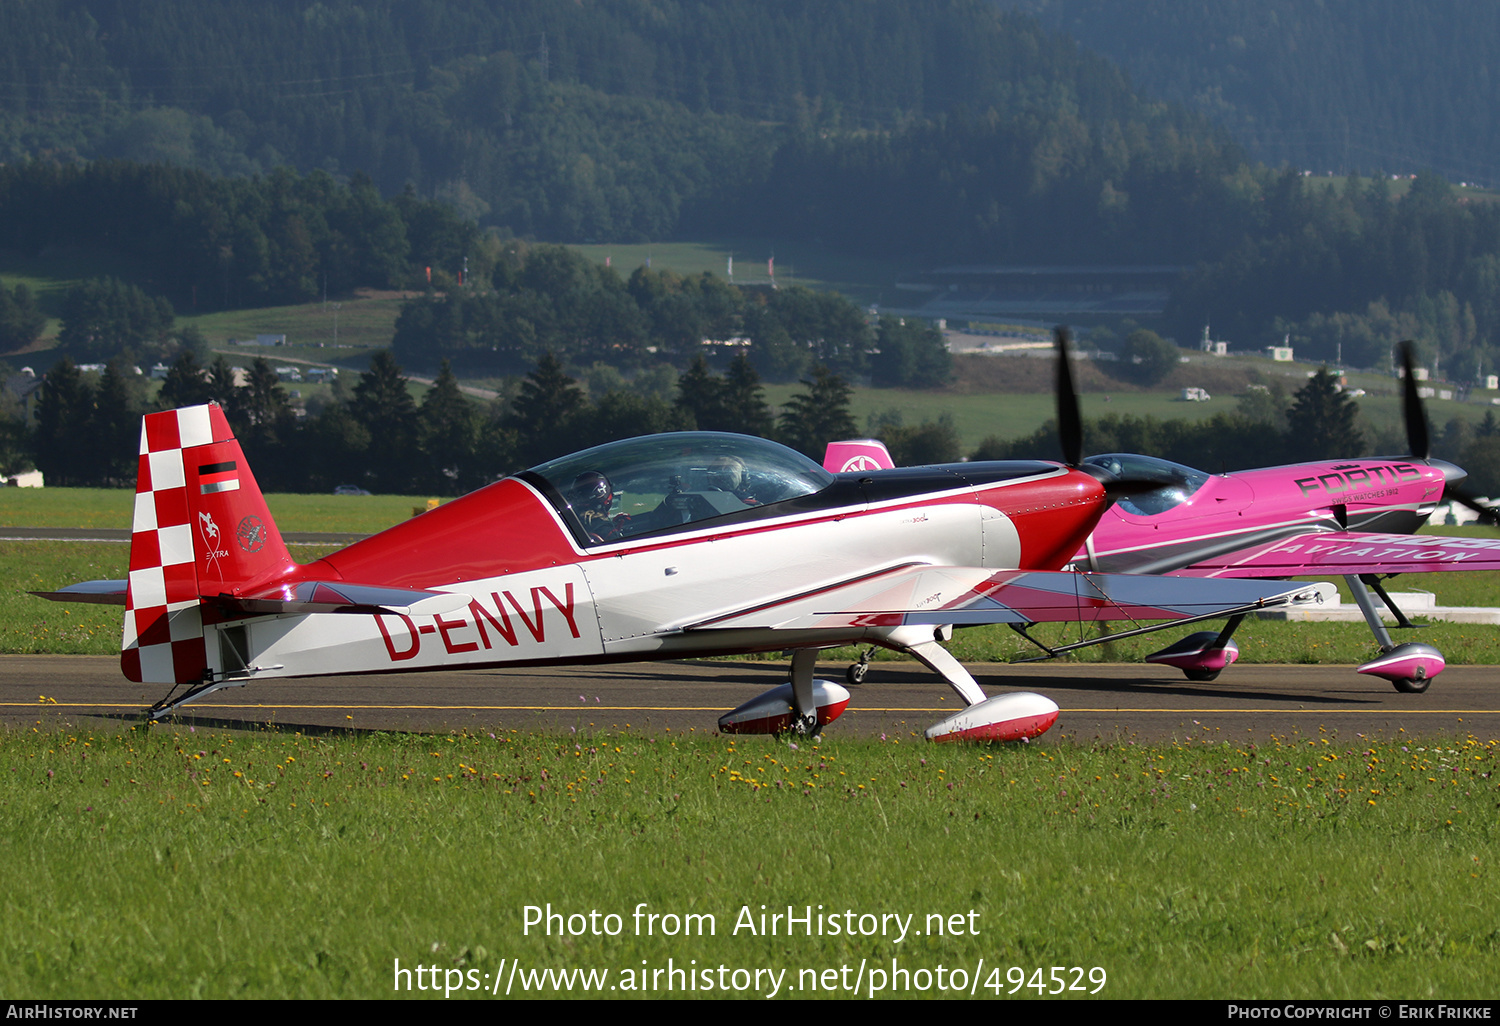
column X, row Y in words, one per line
column 1105, row 702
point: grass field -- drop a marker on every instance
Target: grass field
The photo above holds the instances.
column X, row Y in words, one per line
column 865, row 280
column 365, row 322
column 170, row 864
column 112, row 508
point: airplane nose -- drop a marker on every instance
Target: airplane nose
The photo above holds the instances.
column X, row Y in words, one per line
column 1452, row 475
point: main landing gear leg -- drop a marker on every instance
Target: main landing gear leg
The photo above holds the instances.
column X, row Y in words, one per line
column 804, row 707
column 941, row 662
column 1409, row 667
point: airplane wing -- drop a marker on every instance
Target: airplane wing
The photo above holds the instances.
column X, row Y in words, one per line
column 974, row 595
column 1350, row 552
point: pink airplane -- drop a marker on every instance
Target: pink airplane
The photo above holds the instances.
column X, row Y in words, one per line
column 1352, row 518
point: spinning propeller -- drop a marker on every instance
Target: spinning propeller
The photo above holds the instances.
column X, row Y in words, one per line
column 1070, row 434
column 1419, row 442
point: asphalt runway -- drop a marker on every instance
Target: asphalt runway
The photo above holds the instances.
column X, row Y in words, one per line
column 1098, row 702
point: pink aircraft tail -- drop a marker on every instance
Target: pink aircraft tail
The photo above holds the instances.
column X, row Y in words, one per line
column 201, row 529
column 856, row 454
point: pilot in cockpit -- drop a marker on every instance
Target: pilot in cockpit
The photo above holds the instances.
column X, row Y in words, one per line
column 728, row 474
column 591, row 497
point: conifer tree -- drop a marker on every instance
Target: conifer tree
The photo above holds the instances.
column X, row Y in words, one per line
column 63, row 445
column 114, row 430
column 448, row 428
column 744, row 399
column 701, row 395
column 384, row 407
column 186, row 383
column 1323, row 423
column 545, row 410
column 819, row 415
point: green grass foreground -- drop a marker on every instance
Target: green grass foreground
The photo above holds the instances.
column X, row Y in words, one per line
column 168, row 863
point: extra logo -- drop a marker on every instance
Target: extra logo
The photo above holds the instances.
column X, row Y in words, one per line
column 211, row 542
column 251, row 534
column 860, row 462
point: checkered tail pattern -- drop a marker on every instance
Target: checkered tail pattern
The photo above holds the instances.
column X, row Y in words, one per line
column 201, row 529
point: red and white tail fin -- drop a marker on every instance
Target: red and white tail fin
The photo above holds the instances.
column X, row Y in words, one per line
column 857, row 454
column 201, row 529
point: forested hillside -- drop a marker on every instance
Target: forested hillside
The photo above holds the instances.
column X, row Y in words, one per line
column 603, row 120
column 1337, row 85
column 252, row 153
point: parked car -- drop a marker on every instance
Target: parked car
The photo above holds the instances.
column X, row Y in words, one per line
column 349, row 490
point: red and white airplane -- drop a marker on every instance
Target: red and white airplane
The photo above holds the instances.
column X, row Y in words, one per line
column 657, row 547
column 1351, row 518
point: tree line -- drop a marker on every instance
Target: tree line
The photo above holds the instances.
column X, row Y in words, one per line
column 550, row 299
column 215, row 243
column 375, row 435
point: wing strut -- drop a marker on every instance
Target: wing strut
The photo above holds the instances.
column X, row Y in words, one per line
column 1235, row 616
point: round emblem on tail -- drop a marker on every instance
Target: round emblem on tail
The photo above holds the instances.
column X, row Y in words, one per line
column 251, row 534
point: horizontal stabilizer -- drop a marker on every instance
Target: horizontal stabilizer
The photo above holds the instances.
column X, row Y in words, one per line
column 973, row 595
column 299, row 597
column 109, row 593
column 342, row 597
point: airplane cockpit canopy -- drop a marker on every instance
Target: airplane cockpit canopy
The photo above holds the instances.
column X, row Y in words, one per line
column 661, row 482
column 1178, row 482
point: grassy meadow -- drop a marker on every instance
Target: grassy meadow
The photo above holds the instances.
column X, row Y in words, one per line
column 112, row 508
column 163, row 863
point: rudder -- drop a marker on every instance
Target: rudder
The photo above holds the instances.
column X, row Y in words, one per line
column 201, row 529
